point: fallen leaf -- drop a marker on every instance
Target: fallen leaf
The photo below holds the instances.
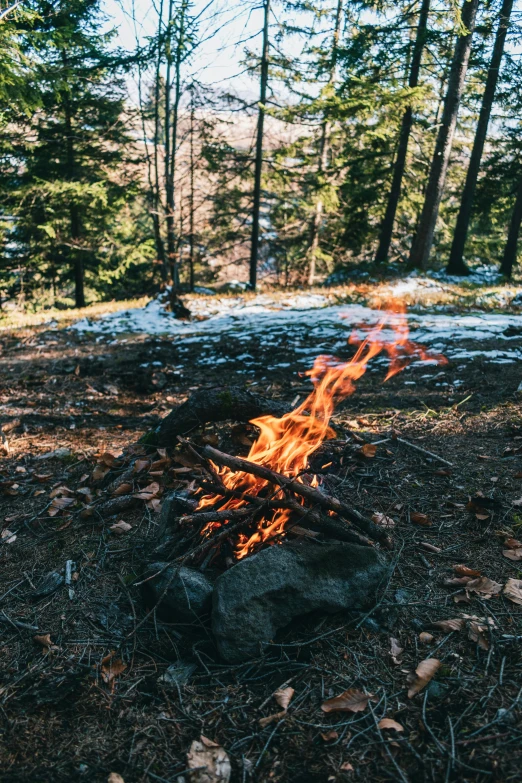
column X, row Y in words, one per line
column 351, row 700
column 45, row 641
column 7, row 536
column 208, row 761
column 457, row 581
column 513, row 554
column 141, row 464
column 283, row 697
column 109, row 458
column 454, row 624
column 120, row 527
column 512, row 543
column 123, row 489
column 513, row 591
column 368, row 450
column 420, row 519
column 424, row 672
column 113, row 668
column 395, row 651
column 517, row 503
column 425, row 637
column 271, row 718
column 346, row 767
column 389, row 723
column 59, row 504
column 329, row 736
column 463, row 570
column 475, row 633
column 115, row 778
column 382, row 520
column 430, row 547
column 99, row 473
column 484, row 586
column 149, row 492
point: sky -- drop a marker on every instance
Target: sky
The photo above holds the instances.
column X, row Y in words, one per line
column 227, row 28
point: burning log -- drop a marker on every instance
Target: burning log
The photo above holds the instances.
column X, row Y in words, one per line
column 238, row 465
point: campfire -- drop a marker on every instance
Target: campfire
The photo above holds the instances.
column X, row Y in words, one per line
column 249, row 503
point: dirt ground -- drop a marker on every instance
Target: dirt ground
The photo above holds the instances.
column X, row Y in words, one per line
column 90, row 700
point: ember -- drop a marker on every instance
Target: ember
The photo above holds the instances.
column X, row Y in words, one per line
column 275, row 479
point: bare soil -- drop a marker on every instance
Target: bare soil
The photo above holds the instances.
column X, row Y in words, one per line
column 63, row 717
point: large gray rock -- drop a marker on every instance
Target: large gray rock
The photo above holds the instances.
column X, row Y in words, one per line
column 263, row 593
column 188, row 592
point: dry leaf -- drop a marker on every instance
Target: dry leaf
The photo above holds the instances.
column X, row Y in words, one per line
column 115, row 778
column 430, row 547
column 45, row 641
column 425, row 637
column 463, row 570
column 512, row 543
column 329, row 736
column 59, row 504
column 208, row 761
column 120, row 527
column 513, row 591
column 346, row 767
column 112, row 668
column 457, row 581
column 395, row 651
column 389, row 723
column 99, row 473
column 123, row 489
column 424, row 672
column 420, row 519
column 368, row 450
column 513, row 554
column 454, row 624
column 7, row 536
column 351, row 700
column 271, row 718
column 109, row 458
column 382, row 520
column 149, row 492
column 475, row 633
column 283, row 697
column 141, row 464
column 486, row 587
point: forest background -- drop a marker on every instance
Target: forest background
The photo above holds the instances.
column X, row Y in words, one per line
column 184, row 144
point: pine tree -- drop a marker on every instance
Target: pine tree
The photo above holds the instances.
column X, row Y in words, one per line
column 70, row 180
column 423, row 240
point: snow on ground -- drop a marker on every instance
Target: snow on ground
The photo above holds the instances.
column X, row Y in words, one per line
column 276, row 320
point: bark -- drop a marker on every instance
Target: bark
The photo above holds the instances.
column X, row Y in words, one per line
column 456, row 264
column 254, row 248
column 423, row 241
column 386, row 232
column 324, row 149
column 211, row 405
column 191, row 195
column 509, row 258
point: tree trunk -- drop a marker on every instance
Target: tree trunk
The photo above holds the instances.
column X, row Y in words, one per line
column 156, row 222
column 509, row 258
column 456, row 264
column 169, row 183
column 324, row 148
column 423, row 241
column 254, row 247
column 74, row 215
column 191, row 194
column 386, row 232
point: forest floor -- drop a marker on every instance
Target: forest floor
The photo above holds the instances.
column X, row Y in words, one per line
column 89, row 699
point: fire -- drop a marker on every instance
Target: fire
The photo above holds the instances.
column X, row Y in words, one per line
column 286, row 444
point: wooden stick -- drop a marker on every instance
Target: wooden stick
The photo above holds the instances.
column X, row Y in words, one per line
column 424, row 451
column 238, row 465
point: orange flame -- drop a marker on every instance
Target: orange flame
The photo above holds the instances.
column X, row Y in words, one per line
column 286, row 444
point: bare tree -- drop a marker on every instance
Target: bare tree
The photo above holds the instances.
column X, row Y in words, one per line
column 509, row 258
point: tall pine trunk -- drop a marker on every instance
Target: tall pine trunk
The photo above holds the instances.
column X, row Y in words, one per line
column 254, row 247
column 456, row 265
column 191, row 192
column 386, row 232
column 74, row 213
column 324, row 149
column 509, row 258
column 421, row 247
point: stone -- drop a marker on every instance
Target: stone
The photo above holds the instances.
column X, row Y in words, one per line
column 263, row 593
column 188, row 596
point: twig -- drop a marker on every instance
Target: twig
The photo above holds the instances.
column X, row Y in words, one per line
column 424, row 451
